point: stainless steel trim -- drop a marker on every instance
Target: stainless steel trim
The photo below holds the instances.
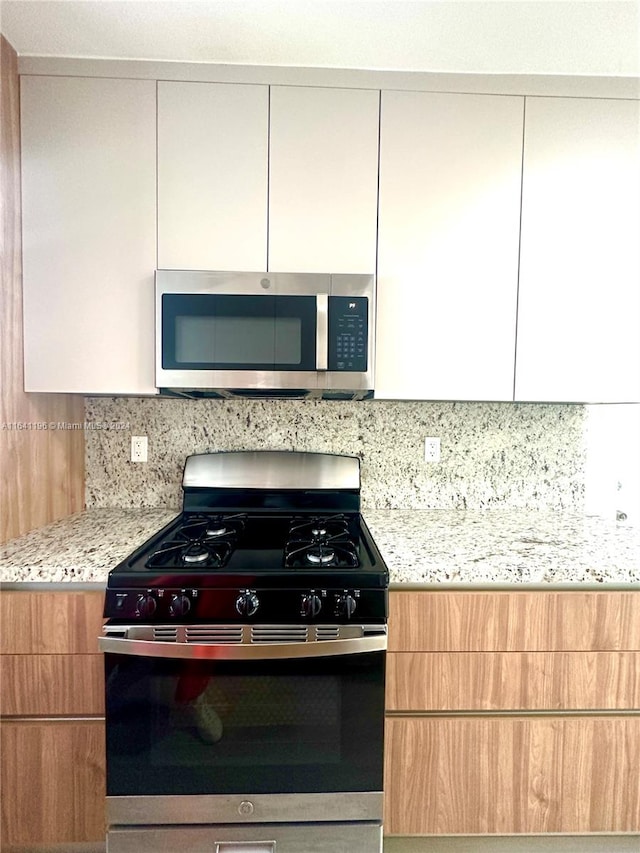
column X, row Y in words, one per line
column 242, row 283
column 229, row 808
column 295, row 837
column 322, row 331
column 243, row 651
column 279, row 633
column 210, row 634
column 241, row 633
column 328, row 632
column 271, row 469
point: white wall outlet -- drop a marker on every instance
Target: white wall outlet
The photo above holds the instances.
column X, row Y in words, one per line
column 139, row 446
column 432, row 450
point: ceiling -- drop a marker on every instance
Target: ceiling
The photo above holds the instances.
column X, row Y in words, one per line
column 481, row 36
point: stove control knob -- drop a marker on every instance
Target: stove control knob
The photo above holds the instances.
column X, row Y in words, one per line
column 146, row 606
column 247, row 603
column 310, row 605
column 179, row 605
column 345, row 605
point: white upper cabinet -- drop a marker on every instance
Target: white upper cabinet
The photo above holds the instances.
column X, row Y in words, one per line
column 212, row 176
column 579, row 302
column 89, row 234
column 450, row 178
column 323, row 164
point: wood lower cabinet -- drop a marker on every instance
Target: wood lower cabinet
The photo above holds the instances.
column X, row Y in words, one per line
column 513, row 681
column 507, row 713
column 505, row 775
column 52, row 728
column 52, row 685
column 53, row 781
column 513, row 713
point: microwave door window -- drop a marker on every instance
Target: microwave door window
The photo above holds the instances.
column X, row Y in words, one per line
column 247, row 341
column 223, row 332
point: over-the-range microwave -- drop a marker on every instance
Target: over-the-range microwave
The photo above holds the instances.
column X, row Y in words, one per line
column 264, row 334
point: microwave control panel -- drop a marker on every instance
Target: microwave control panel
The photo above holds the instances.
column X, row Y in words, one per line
column 348, row 333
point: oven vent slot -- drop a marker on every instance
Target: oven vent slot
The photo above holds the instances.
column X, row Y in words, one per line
column 166, row 634
column 279, row 633
column 327, row 632
column 214, row 634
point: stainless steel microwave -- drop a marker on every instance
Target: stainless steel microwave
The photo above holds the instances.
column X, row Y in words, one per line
column 264, row 334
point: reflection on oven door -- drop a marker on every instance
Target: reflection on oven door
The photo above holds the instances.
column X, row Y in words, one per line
column 280, row 838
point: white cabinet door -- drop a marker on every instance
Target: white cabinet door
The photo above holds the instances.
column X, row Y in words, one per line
column 579, row 302
column 450, row 175
column 323, row 165
column 89, row 234
column 212, row 176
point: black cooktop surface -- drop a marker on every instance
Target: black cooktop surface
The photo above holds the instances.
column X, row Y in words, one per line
column 237, row 548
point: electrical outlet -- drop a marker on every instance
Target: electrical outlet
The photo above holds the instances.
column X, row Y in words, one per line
column 139, row 445
column 432, row 450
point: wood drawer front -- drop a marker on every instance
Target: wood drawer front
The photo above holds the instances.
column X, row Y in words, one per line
column 512, row 681
column 514, row 621
column 50, row 622
column 52, row 685
column 504, row 775
column 53, row 782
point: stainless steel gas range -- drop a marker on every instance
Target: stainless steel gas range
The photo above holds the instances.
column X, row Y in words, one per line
column 245, row 663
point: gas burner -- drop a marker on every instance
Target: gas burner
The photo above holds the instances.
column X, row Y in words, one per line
column 201, row 541
column 319, row 529
column 194, row 554
column 320, row 556
column 298, row 555
column 216, row 530
column 199, row 527
column 320, row 541
column 178, row 554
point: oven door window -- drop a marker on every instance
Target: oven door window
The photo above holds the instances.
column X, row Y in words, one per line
column 224, row 332
column 216, row 727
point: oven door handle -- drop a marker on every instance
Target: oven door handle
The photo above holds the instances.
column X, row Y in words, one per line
column 243, row 651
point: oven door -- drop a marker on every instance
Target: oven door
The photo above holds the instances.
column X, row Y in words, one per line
column 214, row 733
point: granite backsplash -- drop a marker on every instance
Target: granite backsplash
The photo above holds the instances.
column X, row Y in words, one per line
column 492, row 454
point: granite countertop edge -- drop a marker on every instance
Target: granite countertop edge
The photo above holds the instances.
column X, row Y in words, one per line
column 424, row 549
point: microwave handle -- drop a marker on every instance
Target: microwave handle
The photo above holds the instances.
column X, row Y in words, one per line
column 243, row 651
column 322, row 331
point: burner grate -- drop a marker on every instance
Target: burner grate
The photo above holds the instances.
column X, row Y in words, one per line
column 200, row 542
column 320, row 542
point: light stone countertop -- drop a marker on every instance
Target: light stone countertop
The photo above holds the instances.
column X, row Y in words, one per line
column 421, row 547
column 491, row 547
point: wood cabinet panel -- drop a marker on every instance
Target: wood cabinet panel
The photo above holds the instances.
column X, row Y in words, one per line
column 514, row 621
column 53, row 782
column 480, row 681
column 512, row 775
column 50, row 622
column 46, row 685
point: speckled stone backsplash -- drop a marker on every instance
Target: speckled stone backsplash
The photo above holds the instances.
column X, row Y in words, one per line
column 492, row 454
